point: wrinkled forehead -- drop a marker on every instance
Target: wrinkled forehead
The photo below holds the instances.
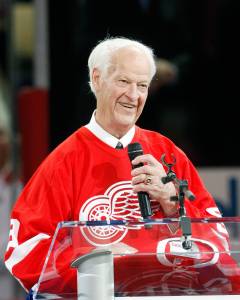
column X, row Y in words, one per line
column 129, row 58
column 128, row 52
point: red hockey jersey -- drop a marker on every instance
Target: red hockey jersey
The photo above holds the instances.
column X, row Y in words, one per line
column 85, row 179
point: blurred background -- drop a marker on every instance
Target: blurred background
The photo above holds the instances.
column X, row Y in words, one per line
column 44, row 93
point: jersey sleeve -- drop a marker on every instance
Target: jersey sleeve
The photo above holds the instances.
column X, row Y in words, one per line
column 44, row 202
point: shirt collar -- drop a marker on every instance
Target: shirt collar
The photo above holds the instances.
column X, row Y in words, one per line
column 106, row 137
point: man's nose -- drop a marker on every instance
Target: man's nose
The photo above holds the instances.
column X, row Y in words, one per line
column 132, row 92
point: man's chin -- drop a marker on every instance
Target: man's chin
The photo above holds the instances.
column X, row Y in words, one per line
column 126, row 120
column 126, row 125
column 121, row 128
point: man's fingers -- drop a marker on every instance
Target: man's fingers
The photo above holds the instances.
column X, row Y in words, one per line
column 144, row 159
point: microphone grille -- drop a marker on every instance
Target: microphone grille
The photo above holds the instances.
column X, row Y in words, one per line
column 134, row 150
column 133, row 147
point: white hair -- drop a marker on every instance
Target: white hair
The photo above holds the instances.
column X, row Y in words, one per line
column 101, row 55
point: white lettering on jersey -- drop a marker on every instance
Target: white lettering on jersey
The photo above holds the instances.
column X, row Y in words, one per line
column 21, row 251
column 13, row 234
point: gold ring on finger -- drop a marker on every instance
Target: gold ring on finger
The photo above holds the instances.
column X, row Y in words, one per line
column 148, row 179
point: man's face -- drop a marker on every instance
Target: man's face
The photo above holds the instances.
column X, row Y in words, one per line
column 121, row 95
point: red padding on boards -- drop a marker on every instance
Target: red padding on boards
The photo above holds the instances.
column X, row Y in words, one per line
column 33, row 117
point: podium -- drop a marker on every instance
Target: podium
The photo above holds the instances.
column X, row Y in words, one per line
column 129, row 260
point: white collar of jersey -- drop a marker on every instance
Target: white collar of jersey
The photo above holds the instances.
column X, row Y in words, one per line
column 106, row 137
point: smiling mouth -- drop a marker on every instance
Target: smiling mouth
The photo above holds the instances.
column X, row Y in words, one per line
column 129, row 106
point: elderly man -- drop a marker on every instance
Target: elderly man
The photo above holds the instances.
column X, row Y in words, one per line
column 77, row 180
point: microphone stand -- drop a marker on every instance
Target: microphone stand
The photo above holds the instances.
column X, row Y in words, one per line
column 183, row 191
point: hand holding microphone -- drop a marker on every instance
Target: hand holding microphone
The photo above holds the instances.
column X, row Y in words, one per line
column 147, row 173
column 135, row 150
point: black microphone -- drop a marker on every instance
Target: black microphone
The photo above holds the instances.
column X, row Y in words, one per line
column 134, row 150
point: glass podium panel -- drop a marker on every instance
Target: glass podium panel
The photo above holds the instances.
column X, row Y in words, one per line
column 156, row 259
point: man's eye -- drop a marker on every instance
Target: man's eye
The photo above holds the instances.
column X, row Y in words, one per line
column 122, row 82
column 143, row 86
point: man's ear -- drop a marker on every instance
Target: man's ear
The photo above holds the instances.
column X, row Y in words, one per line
column 96, row 78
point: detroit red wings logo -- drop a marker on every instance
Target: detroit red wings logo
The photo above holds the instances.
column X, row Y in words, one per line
column 118, row 203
